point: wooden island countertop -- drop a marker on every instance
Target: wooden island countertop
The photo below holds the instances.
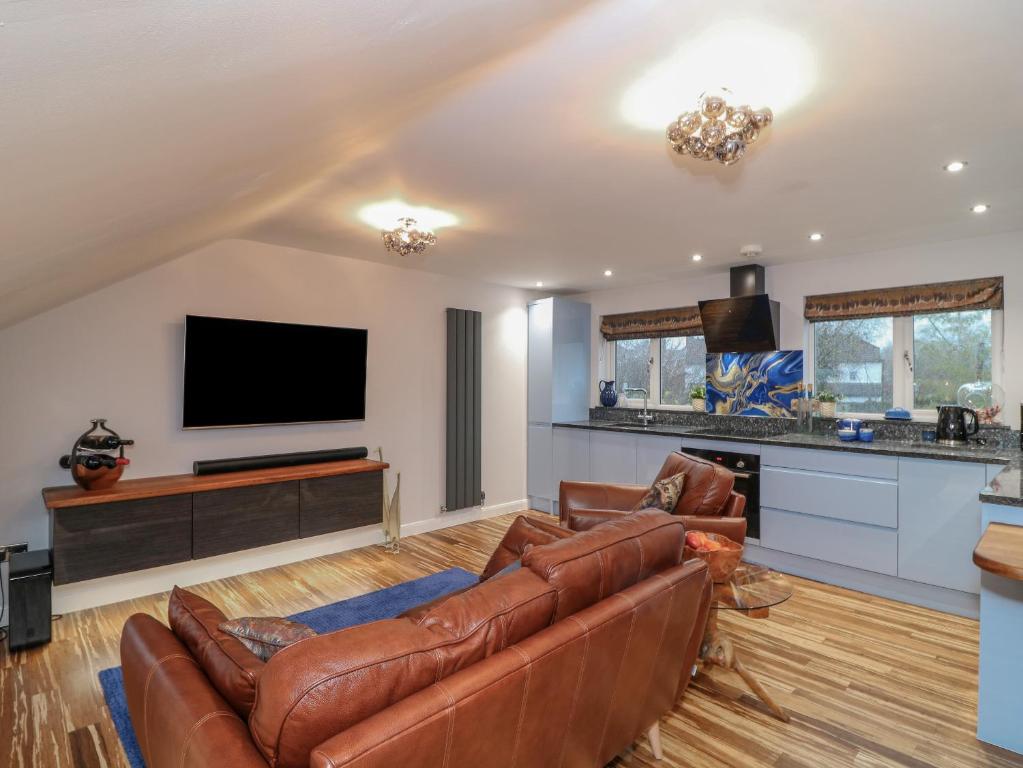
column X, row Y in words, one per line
column 1000, row 550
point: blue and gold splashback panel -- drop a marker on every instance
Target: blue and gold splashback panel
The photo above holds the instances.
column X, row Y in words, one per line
column 754, row 383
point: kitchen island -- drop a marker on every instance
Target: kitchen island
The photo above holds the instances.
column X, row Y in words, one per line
column 999, row 554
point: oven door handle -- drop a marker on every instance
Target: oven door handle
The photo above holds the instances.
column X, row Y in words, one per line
column 743, row 475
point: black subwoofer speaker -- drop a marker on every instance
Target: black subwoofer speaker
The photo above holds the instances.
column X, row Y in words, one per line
column 28, row 593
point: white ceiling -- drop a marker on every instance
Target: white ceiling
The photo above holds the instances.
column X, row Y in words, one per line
column 131, row 132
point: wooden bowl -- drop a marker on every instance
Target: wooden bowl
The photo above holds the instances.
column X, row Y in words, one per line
column 97, row 479
column 721, row 563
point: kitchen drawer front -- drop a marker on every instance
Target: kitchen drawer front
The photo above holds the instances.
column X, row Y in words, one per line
column 857, row 499
column 726, row 446
column 867, row 547
column 836, row 462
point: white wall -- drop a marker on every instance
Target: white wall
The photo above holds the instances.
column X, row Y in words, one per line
column 790, row 283
column 117, row 353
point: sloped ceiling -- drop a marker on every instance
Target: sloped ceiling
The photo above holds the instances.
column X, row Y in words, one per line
column 131, row 132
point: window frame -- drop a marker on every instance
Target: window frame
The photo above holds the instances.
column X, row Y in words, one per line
column 902, row 360
column 654, row 401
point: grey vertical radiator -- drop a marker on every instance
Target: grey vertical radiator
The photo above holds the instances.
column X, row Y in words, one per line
column 464, row 421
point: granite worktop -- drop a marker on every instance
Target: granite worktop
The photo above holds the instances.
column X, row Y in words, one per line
column 1006, row 488
column 912, row 448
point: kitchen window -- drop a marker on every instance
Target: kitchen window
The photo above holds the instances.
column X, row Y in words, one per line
column 916, row 362
column 667, row 368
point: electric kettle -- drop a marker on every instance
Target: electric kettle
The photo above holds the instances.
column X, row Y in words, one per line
column 952, row 424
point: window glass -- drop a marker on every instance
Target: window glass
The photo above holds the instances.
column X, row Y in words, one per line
column 951, row 351
column 853, row 359
column 683, row 365
column 631, row 365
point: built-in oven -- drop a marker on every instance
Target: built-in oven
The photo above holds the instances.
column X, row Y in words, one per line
column 746, row 468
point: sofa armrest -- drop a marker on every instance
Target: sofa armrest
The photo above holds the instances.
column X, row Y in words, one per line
column 575, row 494
column 732, row 527
column 735, row 506
column 178, row 716
column 584, row 519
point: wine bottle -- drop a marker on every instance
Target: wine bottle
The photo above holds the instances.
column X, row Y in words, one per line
column 104, row 442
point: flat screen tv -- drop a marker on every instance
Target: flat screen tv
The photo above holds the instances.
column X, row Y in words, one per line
column 241, row 373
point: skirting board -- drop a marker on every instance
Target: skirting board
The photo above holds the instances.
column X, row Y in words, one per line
column 903, row 590
column 126, row 586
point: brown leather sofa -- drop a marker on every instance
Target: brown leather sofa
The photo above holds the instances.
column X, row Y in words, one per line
column 563, row 662
column 708, row 502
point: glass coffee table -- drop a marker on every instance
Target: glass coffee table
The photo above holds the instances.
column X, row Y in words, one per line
column 752, row 590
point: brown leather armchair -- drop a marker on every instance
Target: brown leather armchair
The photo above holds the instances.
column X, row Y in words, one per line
column 708, row 502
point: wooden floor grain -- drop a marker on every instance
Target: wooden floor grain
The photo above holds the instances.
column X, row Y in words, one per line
column 868, row 682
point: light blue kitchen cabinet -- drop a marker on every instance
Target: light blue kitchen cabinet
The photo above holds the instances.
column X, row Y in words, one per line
column 835, row 462
column 867, row 547
column 540, row 359
column 843, row 497
column 612, row 457
column 540, row 465
column 939, row 522
column 651, row 451
column 571, row 456
column 558, row 386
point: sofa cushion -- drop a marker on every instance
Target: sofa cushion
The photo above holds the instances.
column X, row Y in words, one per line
column 663, row 494
column 521, row 534
column 604, row 560
column 231, row 667
column 265, row 635
column 326, row 684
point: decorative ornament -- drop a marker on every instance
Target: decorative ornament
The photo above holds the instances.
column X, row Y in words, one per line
column 405, row 238
column 90, row 462
column 717, row 130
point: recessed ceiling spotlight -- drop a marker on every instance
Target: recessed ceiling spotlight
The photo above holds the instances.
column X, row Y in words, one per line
column 955, row 166
column 608, row 273
column 815, row 236
column 979, row 208
column 539, row 283
column 697, row 257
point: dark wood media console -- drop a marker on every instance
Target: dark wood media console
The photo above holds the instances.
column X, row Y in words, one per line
column 155, row 521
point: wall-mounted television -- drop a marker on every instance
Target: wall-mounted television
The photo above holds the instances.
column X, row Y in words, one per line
column 242, row 373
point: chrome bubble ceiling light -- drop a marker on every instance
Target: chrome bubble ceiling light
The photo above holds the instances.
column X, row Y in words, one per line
column 716, row 130
column 405, row 238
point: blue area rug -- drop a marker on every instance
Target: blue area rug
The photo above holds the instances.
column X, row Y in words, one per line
column 382, row 604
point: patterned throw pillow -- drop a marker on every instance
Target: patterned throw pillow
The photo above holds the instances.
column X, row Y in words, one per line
column 664, row 494
column 265, row 636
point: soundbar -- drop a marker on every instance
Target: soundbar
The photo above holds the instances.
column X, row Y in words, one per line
column 245, row 463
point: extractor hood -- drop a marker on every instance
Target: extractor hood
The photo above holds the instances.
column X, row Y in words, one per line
column 748, row 321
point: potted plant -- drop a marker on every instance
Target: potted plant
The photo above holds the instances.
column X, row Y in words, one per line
column 829, row 403
column 698, row 398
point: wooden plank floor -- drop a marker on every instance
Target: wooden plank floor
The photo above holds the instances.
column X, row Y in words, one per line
column 868, row 682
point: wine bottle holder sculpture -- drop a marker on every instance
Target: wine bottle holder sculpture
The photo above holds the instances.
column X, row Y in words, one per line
column 91, row 464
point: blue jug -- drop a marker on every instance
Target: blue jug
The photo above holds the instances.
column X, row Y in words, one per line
column 608, row 396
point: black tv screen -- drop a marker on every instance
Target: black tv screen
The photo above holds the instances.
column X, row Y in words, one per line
column 249, row 372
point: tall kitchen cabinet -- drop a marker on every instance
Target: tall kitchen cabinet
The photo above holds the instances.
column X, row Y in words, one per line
column 558, row 387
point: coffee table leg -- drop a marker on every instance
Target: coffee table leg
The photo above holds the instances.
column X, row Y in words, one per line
column 719, row 650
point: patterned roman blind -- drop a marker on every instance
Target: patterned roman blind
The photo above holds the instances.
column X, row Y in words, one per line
column 982, row 293
column 652, row 324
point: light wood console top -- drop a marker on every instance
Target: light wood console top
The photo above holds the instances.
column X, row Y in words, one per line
column 1000, row 550
column 170, row 485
